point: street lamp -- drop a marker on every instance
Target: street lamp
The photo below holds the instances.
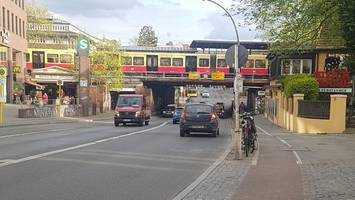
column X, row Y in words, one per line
column 236, row 85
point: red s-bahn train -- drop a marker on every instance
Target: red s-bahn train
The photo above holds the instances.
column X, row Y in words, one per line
column 172, row 60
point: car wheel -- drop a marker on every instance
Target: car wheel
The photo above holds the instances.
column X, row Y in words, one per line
column 116, row 124
column 218, row 132
column 141, row 123
column 214, row 134
column 182, row 133
column 146, row 122
column 174, row 122
column 124, row 124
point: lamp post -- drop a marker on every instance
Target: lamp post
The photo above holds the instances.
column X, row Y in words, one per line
column 237, row 131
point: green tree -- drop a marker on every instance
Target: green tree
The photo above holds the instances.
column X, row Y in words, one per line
column 106, row 63
column 38, row 15
column 293, row 24
column 347, row 14
column 147, row 37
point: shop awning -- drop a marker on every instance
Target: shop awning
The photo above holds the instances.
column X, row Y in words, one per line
column 38, row 86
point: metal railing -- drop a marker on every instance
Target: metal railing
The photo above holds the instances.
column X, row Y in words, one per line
column 314, row 109
column 170, row 75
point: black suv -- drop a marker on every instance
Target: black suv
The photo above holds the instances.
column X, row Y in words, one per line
column 199, row 117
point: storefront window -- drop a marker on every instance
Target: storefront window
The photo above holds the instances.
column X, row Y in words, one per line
column 286, row 67
column 296, row 66
column 66, row 58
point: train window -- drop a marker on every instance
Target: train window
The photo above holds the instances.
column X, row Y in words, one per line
column 28, row 57
column 52, row 58
column 221, row 63
column 249, row 64
column 260, row 64
column 138, row 60
column 127, row 60
column 66, row 58
column 178, row 62
column 165, row 61
column 204, row 62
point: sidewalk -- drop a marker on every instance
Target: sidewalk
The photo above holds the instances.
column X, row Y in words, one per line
column 11, row 117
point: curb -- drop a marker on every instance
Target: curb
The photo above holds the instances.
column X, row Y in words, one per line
column 181, row 195
column 30, row 124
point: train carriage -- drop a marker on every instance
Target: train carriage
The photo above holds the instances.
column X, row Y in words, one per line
column 41, row 58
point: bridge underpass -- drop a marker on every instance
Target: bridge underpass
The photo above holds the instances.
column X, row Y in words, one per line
column 164, row 88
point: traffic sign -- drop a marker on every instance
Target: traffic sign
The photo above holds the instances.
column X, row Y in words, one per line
column 194, row 76
column 261, row 93
column 242, row 56
column 2, row 72
column 59, row 82
column 2, row 90
column 83, row 46
column 217, row 76
column 16, row 69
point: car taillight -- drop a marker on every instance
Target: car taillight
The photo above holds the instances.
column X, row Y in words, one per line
column 213, row 116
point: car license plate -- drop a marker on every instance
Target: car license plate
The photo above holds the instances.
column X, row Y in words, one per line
column 126, row 120
column 197, row 127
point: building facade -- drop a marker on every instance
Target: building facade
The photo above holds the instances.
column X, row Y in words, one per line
column 13, row 42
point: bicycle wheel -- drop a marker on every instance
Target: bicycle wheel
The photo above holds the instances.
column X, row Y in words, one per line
column 246, row 144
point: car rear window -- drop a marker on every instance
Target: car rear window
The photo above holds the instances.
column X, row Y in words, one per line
column 198, row 109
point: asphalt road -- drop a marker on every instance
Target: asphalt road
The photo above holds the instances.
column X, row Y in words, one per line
column 91, row 161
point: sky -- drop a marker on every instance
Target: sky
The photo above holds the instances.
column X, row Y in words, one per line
column 179, row 21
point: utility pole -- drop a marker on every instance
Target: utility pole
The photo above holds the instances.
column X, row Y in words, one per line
column 237, row 130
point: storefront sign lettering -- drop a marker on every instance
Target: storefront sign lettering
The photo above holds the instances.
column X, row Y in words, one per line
column 336, row 79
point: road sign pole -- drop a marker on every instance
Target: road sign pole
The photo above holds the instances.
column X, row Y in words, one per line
column 60, row 101
column 237, row 132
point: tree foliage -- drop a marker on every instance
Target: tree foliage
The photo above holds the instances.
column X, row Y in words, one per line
column 147, row 37
column 106, row 63
column 300, row 84
column 295, row 24
column 38, row 15
column 347, row 14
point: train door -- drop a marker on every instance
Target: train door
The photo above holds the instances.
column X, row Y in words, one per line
column 152, row 63
column 213, row 64
column 191, row 64
column 38, row 59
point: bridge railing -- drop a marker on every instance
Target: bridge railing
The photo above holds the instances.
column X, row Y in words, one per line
column 170, row 75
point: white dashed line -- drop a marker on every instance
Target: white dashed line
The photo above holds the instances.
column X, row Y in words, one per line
column 299, row 161
column 77, row 146
column 262, row 130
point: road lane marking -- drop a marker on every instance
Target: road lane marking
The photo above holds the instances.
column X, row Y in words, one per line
column 299, row 161
column 35, row 132
column 298, row 158
column 145, row 167
column 79, row 146
column 262, row 130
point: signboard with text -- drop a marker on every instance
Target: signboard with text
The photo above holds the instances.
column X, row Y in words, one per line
column 194, row 76
column 83, row 46
column 335, row 79
column 16, row 70
column 217, row 76
column 335, row 90
column 2, row 85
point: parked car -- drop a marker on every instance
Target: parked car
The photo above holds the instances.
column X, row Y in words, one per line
column 177, row 115
column 220, row 109
column 169, row 110
column 205, row 94
column 199, row 117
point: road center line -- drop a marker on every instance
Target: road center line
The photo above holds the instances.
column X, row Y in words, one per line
column 36, row 132
column 78, row 146
column 262, row 130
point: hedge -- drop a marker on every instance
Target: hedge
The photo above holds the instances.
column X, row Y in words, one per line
column 300, row 84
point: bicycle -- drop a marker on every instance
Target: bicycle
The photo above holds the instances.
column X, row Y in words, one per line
column 249, row 141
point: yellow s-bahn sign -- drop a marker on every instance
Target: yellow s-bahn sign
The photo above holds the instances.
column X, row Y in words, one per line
column 217, row 76
column 194, row 76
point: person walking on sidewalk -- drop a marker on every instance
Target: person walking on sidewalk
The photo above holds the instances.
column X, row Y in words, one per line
column 242, row 108
column 45, row 98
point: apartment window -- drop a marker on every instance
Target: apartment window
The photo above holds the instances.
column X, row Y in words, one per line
column 23, row 29
column 8, row 20
column 16, row 25
column 16, row 2
column 260, row 63
column 138, row 60
column 66, row 58
column 249, row 64
column 127, row 60
column 23, row 4
column 20, row 27
column 19, row 3
column 28, row 57
column 165, row 61
column 12, row 23
column 203, row 62
column 3, row 57
column 3, row 17
column 221, row 63
column 52, row 58
column 178, row 62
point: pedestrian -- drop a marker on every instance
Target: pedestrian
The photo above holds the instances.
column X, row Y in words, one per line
column 242, row 108
column 45, row 98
